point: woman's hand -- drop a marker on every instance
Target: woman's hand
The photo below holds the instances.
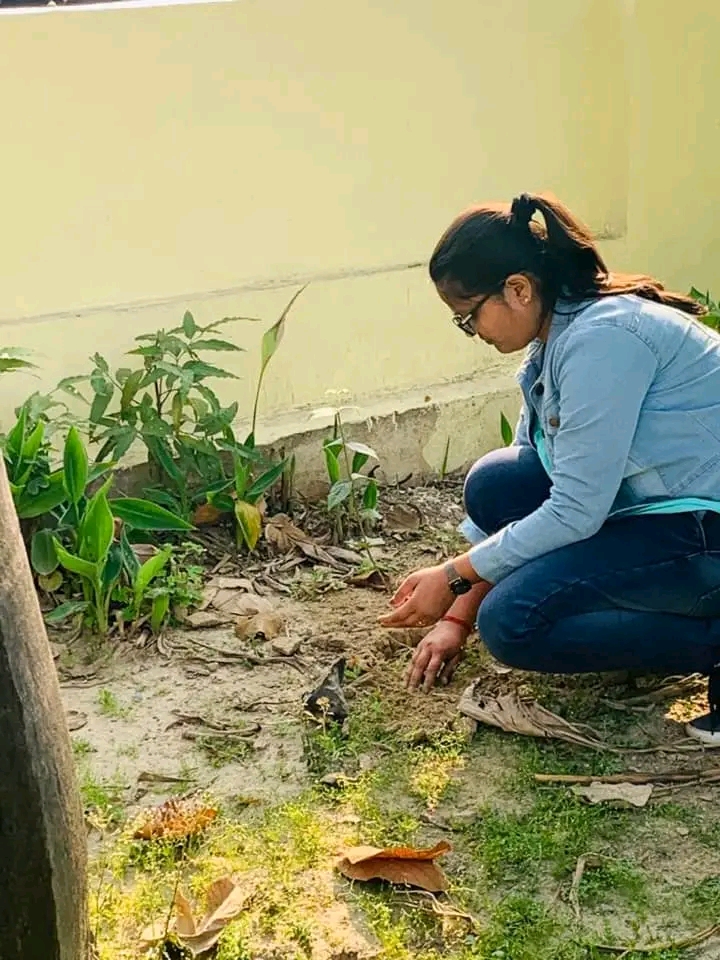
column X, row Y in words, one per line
column 421, row 600
column 437, row 654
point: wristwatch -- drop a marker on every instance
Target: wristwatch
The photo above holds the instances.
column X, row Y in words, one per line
column 458, row 585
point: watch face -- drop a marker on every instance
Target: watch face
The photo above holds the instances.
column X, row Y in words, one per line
column 460, row 586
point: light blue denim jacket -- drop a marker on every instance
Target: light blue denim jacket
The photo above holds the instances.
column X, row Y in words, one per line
column 627, row 395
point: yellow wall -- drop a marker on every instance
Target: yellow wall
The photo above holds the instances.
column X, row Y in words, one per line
column 205, row 155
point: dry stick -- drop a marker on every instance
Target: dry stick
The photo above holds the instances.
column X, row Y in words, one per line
column 691, row 941
column 706, row 776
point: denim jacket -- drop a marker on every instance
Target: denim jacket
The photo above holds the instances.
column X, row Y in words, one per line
column 626, row 393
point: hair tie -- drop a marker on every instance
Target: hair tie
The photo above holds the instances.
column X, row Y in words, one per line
column 522, row 210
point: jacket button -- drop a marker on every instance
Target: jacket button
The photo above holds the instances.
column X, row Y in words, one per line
column 554, row 422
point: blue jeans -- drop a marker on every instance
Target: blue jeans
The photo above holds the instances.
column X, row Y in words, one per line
column 642, row 594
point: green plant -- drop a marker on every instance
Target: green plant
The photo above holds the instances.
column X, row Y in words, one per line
column 11, row 359
column 712, row 317
column 67, row 526
column 506, row 431
column 353, row 496
column 199, row 468
column 166, row 404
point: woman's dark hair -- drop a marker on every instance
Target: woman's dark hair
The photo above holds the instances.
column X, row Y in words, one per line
column 485, row 245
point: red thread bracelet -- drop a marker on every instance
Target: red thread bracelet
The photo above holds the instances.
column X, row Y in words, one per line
column 461, row 623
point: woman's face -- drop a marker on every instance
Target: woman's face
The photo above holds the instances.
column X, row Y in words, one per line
column 508, row 320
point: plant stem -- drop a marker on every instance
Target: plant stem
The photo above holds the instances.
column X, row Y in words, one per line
column 357, row 515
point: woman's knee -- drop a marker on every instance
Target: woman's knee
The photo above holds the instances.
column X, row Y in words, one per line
column 506, row 629
column 503, row 486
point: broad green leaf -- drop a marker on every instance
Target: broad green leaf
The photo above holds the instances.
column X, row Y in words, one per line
column 42, row 552
column 28, row 506
column 265, row 481
column 160, row 608
column 272, row 337
column 162, row 497
column 71, row 608
column 242, row 475
column 83, row 568
column 370, row 497
column 51, row 582
column 506, row 430
column 222, row 502
column 145, row 515
column 15, row 440
column 149, row 570
column 358, row 462
column 130, row 388
column 100, row 362
column 177, row 411
column 97, row 529
column 8, row 364
column 161, row 453
column 75, row 463
column 332, row 464
column 361, row 448
column 113, row 567
column 98, row 470
column 33, row 442
column 199, row 370
column 189, row 325
column 339, row 492
column 224, row 345
column 99, row 406
column 249, row 523
column 129, row 557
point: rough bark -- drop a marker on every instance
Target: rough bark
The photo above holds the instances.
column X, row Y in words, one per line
column 43, row 900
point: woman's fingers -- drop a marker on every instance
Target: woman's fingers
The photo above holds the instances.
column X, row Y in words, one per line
column 404, row 591
column 416, row 667
column 449, row 669
column 431, row 671
column 406, row 615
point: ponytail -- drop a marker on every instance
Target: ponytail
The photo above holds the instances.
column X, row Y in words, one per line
column 485, row 245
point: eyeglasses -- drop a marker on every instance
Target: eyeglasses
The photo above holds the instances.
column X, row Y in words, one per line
column 467, row 323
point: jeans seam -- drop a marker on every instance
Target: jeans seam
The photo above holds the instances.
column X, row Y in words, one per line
column 535, row 612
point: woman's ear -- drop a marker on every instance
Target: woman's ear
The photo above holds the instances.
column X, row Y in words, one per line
column 519, row 290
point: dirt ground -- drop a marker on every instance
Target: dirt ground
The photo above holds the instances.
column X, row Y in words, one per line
column 189, row 721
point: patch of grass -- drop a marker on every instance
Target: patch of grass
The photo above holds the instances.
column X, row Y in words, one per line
column 110, row 706
column 433, row 767
column 81, row 748
column 703, row 901
column 516, row 848
column 611, row 879
column 221, row 750
column 102, row 800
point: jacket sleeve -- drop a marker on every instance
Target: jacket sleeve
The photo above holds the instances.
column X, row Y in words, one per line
column 603, row 373
column 522, row 438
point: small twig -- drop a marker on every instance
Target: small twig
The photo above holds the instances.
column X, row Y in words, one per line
column 444, row 911
column 706, row 776
column 690, row 941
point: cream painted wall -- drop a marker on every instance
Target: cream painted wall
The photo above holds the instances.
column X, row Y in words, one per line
column 204, row 155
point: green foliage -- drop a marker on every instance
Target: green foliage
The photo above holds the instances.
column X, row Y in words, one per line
column 166, row 404
column 712, row 317
column 353, row 495
column 11, row 359
column 506, row 431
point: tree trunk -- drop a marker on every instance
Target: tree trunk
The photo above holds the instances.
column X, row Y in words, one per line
column 43, row 882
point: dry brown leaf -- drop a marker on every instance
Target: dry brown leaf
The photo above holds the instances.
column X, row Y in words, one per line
column 206, row 515
column 143, row 551
column 373, row 579
column 635, row 794
column 175, row 820
column 513, row 714
column 203, row 619
column 402, row 865
column 225, row 901
column 263, row 626
column 240, row 604
column 402, row 518
column 232, row 583
column 281, row 533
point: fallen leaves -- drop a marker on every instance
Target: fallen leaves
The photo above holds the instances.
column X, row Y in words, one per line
column 225, row 900
column 175, row 820
column 399, row 865
column 285, row 537
column 624, row 794
column 327, row 701
column 514, row 714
